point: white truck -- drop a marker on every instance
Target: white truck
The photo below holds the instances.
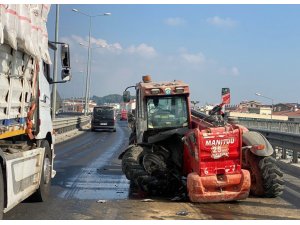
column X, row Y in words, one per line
column 26, row 132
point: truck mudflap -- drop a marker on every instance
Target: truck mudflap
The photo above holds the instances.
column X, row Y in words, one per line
column 218, row 188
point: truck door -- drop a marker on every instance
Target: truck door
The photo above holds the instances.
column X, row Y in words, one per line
column 44, row 102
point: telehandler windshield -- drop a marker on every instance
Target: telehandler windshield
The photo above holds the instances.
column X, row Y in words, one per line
column 166, row 112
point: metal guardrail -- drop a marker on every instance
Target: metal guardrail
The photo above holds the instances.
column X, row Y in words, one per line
column 273, row 125
column 283, row 135
column 62, row 125
column 283, row 142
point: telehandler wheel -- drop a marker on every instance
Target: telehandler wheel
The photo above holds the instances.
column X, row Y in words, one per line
column 1, row 193
column 134, row 171
column 43, row 192
column 266, row 177
column 130, row 161
column 272, row 176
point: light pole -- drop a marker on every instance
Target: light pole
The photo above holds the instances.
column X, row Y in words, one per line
column 91, row 52
column 89, row 55
column 259, row 94
column 82, row 94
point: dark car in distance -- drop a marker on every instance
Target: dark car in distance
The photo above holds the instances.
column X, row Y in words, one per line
column 103, row 118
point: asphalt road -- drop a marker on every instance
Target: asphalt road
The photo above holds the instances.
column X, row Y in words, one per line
column 89, row 184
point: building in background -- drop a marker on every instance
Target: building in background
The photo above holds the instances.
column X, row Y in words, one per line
column 76, row 105
column 128, row 106
column 291, row 107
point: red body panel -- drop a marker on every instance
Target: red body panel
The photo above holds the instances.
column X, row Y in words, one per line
column 212, row 153
column 212, row 163
column 218, row 188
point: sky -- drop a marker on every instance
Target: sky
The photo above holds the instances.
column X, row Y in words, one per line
column 248, row 48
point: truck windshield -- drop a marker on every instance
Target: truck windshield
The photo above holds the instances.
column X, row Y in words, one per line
column 104, row 112
column 165, row 112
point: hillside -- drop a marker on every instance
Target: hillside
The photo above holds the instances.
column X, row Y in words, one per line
column 113, row 98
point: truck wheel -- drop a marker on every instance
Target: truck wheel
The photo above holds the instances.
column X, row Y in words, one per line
column 43, row 192
column 266, row 177
column 1, row 193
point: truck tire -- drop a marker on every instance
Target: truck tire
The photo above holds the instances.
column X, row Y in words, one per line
column 43, row 192
column 1, row 193
column 266, row 178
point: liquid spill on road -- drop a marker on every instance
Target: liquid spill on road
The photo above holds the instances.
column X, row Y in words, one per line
column 106, row 183
column 100, row 179
column 105, row 187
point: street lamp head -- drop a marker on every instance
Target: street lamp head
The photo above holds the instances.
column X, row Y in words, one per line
column 258, row 94
column 82, row 44
column 107, row 14
column 75, row 10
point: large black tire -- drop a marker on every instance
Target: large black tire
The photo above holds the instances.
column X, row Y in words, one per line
column 130, row 162
column 135, row 172
column 266, row 177
column 1, row 193
column 272, row 176
column 43, row 192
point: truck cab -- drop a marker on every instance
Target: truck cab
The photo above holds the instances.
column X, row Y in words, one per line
column 26, row 131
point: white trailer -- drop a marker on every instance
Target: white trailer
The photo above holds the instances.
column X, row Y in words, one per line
column 26, row 132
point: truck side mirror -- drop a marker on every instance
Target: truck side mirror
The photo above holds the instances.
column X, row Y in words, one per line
column 126, row 96
column 65, row 56
column 66, row 75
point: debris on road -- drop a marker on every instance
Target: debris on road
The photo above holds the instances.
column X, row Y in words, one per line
column 182, row 213
column 101, row 201
column 147, row 200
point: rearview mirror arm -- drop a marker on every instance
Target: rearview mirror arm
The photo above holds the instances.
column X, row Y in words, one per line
column 58, row 82
column 129, row 87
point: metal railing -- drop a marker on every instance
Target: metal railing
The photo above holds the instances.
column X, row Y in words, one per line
column 272, row 125
column 283, row 142
column 283, row 135
column 62, row 125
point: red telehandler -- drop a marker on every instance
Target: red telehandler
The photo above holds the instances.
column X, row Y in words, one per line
column 174, row 150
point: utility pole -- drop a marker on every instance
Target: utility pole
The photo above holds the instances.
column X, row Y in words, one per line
column 88, row 70
column 259, row 94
